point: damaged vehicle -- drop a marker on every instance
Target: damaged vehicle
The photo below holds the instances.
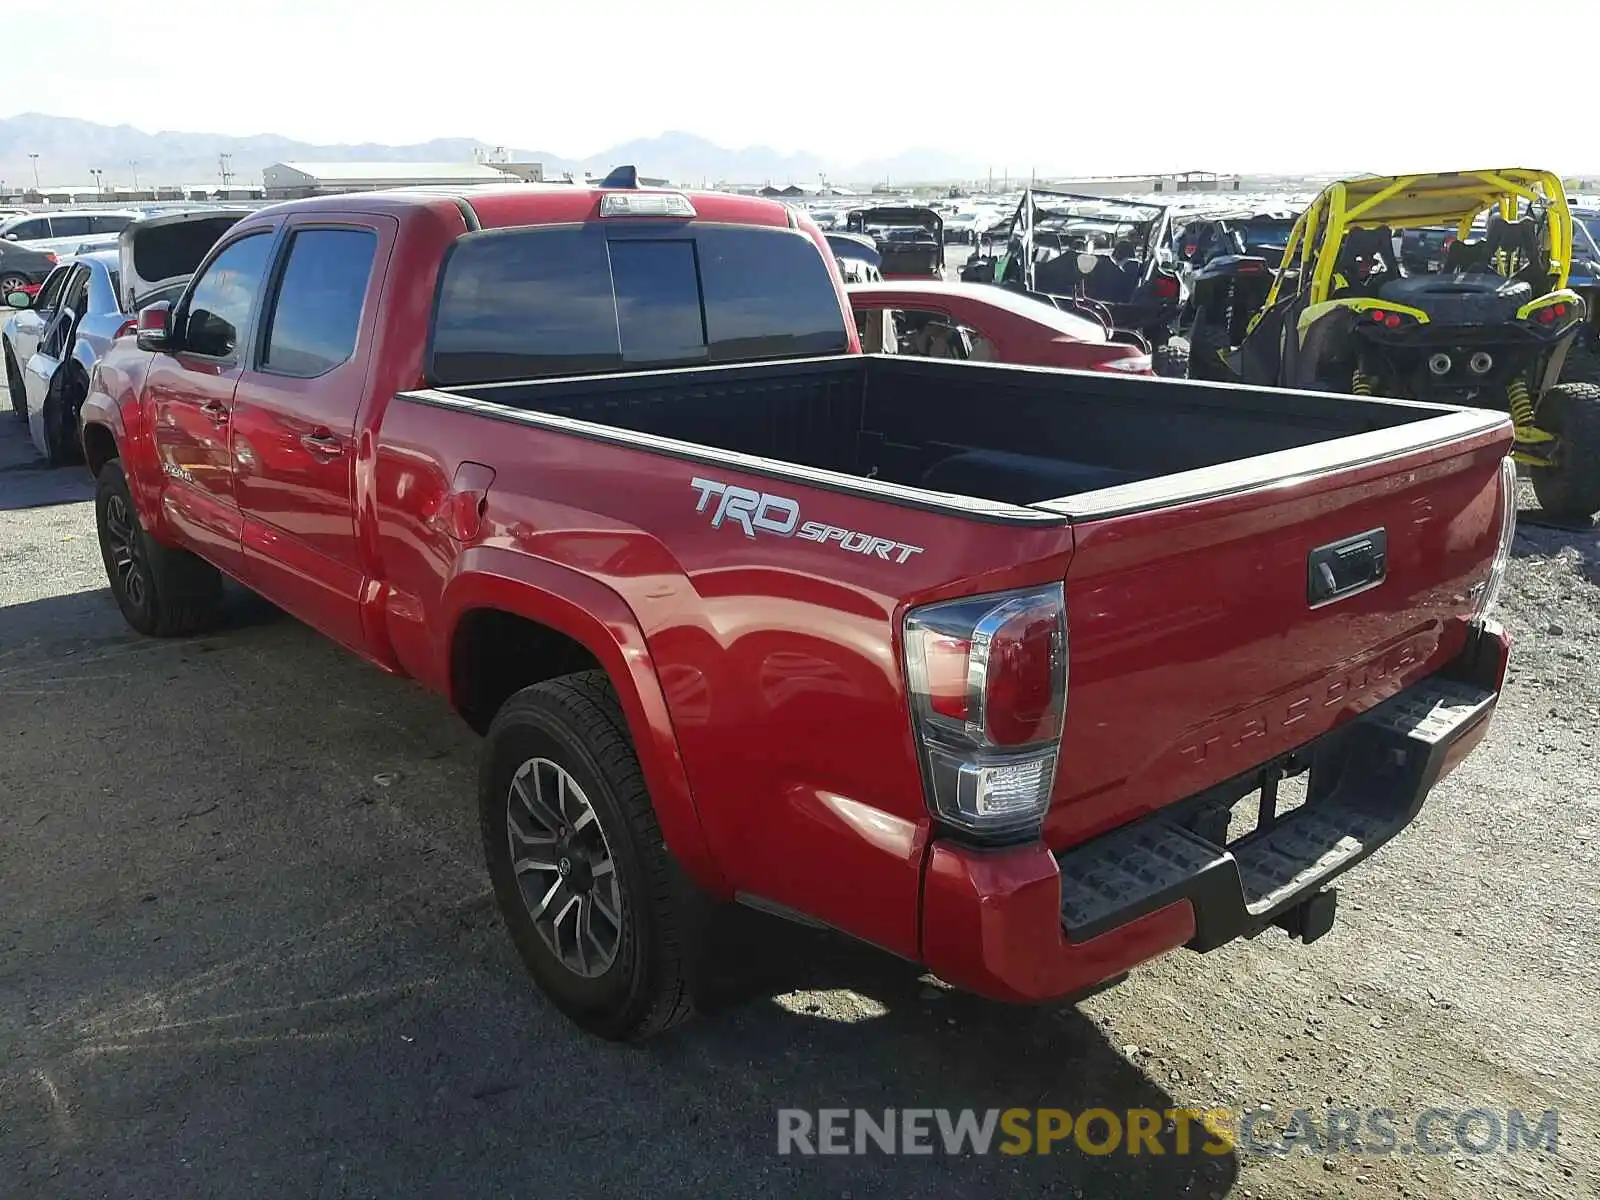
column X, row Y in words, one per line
column 910, row 240
column 1095, row 249
column 1491, row 328
column 53, row 343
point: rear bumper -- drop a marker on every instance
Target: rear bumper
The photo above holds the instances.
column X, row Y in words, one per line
column 1026, row 924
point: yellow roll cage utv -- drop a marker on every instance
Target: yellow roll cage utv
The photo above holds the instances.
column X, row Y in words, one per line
column 1492, row 328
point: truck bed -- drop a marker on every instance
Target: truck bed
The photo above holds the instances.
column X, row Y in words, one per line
column 979, row 436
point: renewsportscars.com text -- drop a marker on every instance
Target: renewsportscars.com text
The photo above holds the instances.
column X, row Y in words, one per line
column 1149, row 1131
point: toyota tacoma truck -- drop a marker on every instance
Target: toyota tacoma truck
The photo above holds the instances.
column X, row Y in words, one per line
column 1024, row 675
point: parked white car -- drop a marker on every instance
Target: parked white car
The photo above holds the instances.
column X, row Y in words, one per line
column 68, row 231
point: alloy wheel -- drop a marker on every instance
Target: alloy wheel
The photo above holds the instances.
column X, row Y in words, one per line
column 122, row 539
column 563, row 867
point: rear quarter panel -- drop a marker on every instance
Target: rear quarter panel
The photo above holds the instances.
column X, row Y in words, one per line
column 779, row 658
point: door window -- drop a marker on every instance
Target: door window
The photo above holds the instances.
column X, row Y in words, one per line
column 50, row 293
column 218, row 309
column 936, row 335
column 317, row 312
column 27, row 231
column 69, row 226
column 108, row 222
column 74, row 300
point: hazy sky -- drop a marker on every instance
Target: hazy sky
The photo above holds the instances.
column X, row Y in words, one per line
column 1062, row 85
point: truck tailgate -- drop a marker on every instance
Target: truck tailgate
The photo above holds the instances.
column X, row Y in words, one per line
column 1202, row 639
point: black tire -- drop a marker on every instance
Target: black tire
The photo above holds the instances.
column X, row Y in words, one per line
column 162, row 592
column 1207, row 343
column 1171, row 361
column 1570, row 488
column 19, row 395
column 576, row 723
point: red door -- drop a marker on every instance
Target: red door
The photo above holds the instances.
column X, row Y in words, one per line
column 294, row 422
column 189, row 399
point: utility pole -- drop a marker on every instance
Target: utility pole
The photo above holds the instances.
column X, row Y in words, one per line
column 35, row 159
column 222, row 164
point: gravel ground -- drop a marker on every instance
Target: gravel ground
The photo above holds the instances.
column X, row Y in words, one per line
column 246, row 950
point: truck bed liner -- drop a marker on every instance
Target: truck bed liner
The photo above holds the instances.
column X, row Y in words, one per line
column 1014, row 435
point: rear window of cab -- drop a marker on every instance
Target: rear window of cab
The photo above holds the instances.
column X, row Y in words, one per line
column 609, row 296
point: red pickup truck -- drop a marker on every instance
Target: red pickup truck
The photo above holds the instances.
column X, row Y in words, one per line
column 975, row 662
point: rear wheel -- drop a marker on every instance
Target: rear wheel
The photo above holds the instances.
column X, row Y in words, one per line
column 1570, row 487
column 589, row 893
column 161, row 591
column 9, row 284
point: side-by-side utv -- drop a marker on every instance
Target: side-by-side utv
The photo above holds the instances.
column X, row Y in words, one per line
column 1491, row 328
column 910, row 240
column 1089, row 251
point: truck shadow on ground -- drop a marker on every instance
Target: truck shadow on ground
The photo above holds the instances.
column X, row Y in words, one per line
column 252, row 953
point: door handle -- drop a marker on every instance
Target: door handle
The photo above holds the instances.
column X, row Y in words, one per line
column 322, row 444
column 216, row 410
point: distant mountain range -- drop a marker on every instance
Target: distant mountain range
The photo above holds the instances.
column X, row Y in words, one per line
column 69, row 148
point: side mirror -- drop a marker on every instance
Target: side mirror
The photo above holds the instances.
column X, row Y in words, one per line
column 153, row 331
column 19, row 300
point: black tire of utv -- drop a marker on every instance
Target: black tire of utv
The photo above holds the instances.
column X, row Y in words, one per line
column 19, row 397
column 576, row 722
column 1570, row 490
column 1171, row 361
column 182, row 593
column 1206, row 343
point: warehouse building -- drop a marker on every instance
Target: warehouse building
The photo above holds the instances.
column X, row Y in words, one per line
column 292, row 180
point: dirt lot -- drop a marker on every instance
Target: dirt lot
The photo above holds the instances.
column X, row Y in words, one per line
column 246, row 950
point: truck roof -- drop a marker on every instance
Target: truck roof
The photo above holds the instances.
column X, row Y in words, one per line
column 498, row 206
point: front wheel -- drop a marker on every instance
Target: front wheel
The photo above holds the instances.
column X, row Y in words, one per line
column 1569, row 489
column 581, row 874
column 162, row 591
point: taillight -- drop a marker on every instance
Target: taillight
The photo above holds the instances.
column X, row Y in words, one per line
column 126, row 328
column 1508, row 534
column 987, row 680
column 1130, row 364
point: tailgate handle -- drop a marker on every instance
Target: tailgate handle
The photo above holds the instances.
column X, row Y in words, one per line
column 1345, row 567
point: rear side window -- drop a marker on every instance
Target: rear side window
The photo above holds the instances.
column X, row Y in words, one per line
column 69, row 226
column 317, row 312
column 108, row 223
column 574, row 300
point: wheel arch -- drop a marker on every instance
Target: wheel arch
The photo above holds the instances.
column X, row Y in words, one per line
column 511, row 621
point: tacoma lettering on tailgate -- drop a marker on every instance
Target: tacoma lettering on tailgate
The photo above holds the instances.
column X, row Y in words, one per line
column 765, row 512
column 1286, row 711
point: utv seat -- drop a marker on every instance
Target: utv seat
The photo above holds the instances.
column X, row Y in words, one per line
column 1366, row 244
column 1018, row 478
column 1110, row 283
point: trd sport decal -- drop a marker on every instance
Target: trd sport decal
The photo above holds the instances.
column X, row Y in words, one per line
column 763, row 512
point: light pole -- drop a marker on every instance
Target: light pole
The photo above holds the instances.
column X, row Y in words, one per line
column 96, row 172
column 35, row 159
column 134, row 163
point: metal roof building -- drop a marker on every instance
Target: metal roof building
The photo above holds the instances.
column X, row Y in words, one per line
column 291, row 180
